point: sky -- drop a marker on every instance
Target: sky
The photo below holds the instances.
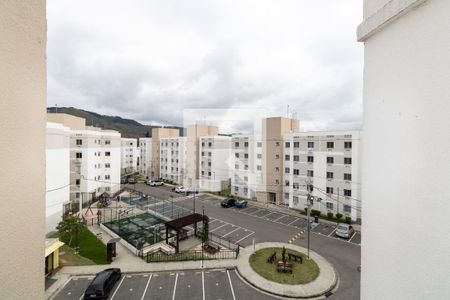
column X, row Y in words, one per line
column 152, row 61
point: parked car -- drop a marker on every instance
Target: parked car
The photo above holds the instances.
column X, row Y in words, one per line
column 229, row 202
column 102, row 284
column 344, row 231
column 124, row 180
column 181, row 189
column 155, row 182
column 131, row 180
column 241, row 204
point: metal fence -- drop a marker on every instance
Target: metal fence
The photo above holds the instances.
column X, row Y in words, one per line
column 191, row 255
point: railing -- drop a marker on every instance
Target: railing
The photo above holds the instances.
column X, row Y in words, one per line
column 192, row 255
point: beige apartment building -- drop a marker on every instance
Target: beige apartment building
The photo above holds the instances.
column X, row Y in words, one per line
column 157, row 134
column 194, row 132
column 273, row 131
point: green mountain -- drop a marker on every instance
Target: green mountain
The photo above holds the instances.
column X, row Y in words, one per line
column 127, row 127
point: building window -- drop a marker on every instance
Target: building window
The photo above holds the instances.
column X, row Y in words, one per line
column 286, row 182
column 330, row 160
column 310, row 159
column 329, row 190
column 245, row 178
column 348, row 193
column 203, row 153
column 209, row 153
column 236, row 166
column 209, row 164
column 330, row 145
column 79, row 142
column 259, row 155
column 245, row 191
column 107, row 177
column 296, row 144
column 107, row 153
column 296, row 172
column 287, row 170
column 209, row 174
column 287, row 157
column 259, row 145
column 245, row 167
column 310, row 173
column 347, row 209
column 310, row 145
column 277, row 181
column 286, row 195
column 347, row 160
column 296, row 158
column 107, row 142
column 287, row 145
column 348, row 145
column 236, row 155
column 203, row 172
column 236, row 144
column 295, row 185
column 277, row 169
column 259, row 167
column 236, row 189
column 77, row 195
column 277, row 144
column 245, row 144
column 245, row 155
column 295, row 200
column 79, row 155
column 330, row 205
column 209, row 144
column 330, row 175
column 77, row 181
column 277, row 156
column 348, row 176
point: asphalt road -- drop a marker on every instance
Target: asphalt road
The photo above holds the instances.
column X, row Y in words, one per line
column 345, row 256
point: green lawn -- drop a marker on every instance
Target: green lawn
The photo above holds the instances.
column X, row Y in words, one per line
column 68, row 257
column 90, row 247
column 302, row 273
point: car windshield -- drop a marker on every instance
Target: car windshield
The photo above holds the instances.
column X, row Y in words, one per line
column 342, row 227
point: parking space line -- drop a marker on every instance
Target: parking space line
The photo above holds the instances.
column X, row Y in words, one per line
column 231, row 285
column 175, row 287
column 203, row 284
column 219, row 227
column 231, row 231
column 292, row 222
column 265, row 216
column 146, row 287
column 120, row 283
column 332, row 232
column 354, row 233
column 82, row 296
column 256, row 211
column 245, row 237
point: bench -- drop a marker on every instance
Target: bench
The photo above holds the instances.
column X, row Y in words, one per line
column 295, row 257
column 272, row 258
column 211, row 248
column 285, row 267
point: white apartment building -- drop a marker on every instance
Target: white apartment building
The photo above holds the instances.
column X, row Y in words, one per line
column 145, row 157
column 246, row 168
column 94, row 158
column 129, row 155
column 57, row 151
column 330, row 161
column 173, row 158
column 214, row 162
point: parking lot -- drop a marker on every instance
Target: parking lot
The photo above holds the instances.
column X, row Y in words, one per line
column 324, row 229
column 201, row 284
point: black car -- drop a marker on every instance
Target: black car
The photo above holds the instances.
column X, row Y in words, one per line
column 229, row 202
column 102, row 284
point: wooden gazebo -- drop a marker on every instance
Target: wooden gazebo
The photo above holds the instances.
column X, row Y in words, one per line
column 178, row 224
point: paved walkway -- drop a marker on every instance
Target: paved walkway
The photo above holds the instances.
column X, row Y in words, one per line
column 326, row 281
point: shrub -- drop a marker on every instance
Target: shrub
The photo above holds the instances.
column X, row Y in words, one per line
column 330, row 215
column 348, row 220
column 338, row 216
column 306, row 210
column 315, row 212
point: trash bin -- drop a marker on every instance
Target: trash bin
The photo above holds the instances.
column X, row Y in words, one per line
column 316, row 219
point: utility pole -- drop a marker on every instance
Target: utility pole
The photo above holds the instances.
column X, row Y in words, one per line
column 309, row 205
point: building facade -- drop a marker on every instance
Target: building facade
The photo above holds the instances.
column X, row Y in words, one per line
column 57, row 152
column 406, row 126
column 173, row 158
column 129, row 155
column 157, row 134
column 273, row 131
column 145, row 157
column 330, row 161
column 214, row 162
column 246, row 168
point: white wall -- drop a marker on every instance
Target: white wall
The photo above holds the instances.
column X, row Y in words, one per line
column 57, row 173
column 406, row 236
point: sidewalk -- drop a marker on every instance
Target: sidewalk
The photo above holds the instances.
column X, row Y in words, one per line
column 325, row 282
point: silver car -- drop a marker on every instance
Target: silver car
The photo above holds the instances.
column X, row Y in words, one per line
column 345, row 231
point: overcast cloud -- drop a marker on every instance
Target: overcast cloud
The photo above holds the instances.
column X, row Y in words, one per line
column 149, row 60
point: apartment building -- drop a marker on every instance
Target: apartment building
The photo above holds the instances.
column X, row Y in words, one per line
column 406, row 149
column 194, row 132
column 273, row 131
column 95, row 156
column 215, row 161
column 157, row 134
column 246, row 168
column 145, row 156
column 330, row 161
column 173, row 158
column 129, row 155
column 57, row 166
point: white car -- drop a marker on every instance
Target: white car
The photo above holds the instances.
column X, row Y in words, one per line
column 155, row 183
column 345, row 231
column 181, row 189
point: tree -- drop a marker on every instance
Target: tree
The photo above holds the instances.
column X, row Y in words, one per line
column 283, row 254
column 147, row 134
column 205, row 229
column 68, row 227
